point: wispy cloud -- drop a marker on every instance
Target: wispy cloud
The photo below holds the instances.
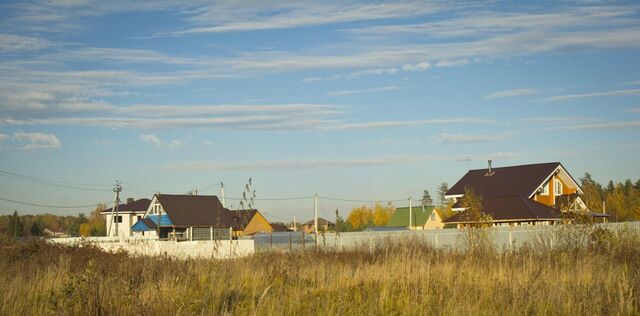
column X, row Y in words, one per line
column 511, row 93
column 301, row 164
column 15, row 43
column 567, row 97
column 220, row 17
column 602, row 125
column 410, row 123
column 3, row 137
column 632, row 110
column 468, row 138
column 377, row 89
column 37, row 140
column 157, row 142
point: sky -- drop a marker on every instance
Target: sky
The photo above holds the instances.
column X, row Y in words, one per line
column 371, row 101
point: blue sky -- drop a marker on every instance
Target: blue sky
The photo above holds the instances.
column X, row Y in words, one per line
column 356, row 100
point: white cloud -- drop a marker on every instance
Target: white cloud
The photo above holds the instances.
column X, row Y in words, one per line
column 156, row 141
column 467, row 138
column 298, row 164
column 151, row 139
column 602, row 125
column 265, row 15
column 350, row 92
column 511, row 93
column 632, row 110
column 567, row 97
column 13, row 43
column 417, row 67
column 452, row 63
column 37, row 140
column 3, row 137
column 396, row 124
column 208, row 143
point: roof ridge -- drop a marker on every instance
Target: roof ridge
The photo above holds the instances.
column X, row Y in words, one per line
column 518, row 166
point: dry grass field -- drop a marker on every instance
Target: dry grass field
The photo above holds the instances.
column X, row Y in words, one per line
column 591, row 272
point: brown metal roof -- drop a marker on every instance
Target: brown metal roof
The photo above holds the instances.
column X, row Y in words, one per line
column 321, row 221
column 195, row 210
column 140, row 205
column 505, row 181
column 510, row 209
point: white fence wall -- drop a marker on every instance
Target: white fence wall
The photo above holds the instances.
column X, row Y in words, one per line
column 218, row 249
column 501, row 237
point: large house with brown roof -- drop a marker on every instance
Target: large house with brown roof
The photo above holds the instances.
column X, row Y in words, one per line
column 197, row 217
column 535, row 194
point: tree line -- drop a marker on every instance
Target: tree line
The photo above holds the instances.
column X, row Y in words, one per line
column 18, row 226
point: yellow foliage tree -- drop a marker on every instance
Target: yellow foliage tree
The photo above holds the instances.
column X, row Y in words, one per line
column 382, row 214
column 85, row 230
column 360, row 217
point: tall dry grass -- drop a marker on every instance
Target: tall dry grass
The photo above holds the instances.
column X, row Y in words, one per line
column 599, row 276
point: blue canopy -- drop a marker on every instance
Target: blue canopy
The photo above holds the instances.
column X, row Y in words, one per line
column 151, row 220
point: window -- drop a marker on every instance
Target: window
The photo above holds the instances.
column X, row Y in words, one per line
column 544, row 190
column 557, row 187
column 117, row 219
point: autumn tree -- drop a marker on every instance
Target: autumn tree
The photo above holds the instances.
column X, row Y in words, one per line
column 474, row 209
column 382, row 214
column 592, row 192
column 360, row 217
column 97, row 221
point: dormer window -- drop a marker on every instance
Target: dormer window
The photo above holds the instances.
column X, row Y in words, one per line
column 544, row 190
column 557, row 187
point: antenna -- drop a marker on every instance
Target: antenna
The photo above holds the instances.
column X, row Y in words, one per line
column 222, row 193
column 490, row 171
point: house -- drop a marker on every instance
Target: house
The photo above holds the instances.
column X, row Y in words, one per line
column 323, row 226
column 279, row 228
column 185, row 217
column 249, row 222
column 418, row 217
column 516, row 195
column 128, row 214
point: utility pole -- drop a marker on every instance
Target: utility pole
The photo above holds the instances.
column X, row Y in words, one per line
column 117, row 189
column 114, row 210
column 410, row 212
column 222, row 193
column 315, row 216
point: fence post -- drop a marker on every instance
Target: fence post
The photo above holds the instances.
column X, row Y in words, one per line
column 435, row 240
column 303, row 249
column 290, row 245
column 270, row 241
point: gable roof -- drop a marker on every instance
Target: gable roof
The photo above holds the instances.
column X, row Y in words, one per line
column 195, row 210
column 400, row 217
column 277, row 227
column 511, row 208
column 506, row 181
column 140, row 205
column 321, row 221
column 241, row 218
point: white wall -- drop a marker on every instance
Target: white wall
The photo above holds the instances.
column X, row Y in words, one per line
column 124, row 228
column 219, row 249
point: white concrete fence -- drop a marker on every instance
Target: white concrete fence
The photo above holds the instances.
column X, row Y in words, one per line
column 216, row 249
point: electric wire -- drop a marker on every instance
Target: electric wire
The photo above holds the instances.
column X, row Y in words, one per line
column 42, row 181
column 52, row 206
column 359, row 201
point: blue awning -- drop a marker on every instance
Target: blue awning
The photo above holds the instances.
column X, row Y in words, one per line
column 149, row 223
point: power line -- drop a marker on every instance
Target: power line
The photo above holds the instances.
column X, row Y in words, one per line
column 42, row 181
column 53, row 206
column 274, row 199
column 359, row 201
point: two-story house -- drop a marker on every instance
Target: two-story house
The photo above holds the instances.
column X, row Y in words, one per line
column 535, row 194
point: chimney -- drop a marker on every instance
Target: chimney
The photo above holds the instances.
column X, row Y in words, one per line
column 129, row 200
column 490, row 171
